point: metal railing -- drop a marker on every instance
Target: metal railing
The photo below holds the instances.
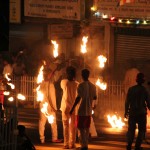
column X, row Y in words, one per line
column 112, row 98
column 8, row 126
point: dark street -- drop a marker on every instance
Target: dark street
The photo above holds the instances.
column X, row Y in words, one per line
column 108, row 138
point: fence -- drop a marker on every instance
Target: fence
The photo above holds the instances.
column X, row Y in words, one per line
column 112, row 99
column 8, row 125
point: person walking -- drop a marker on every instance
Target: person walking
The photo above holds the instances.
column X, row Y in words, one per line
column 86, row 93
column 136, row 104
column 48, row 90
column 69, row 87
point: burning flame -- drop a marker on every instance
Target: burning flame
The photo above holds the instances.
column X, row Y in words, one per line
column 55, row 51
column 6, row 93
column 6, row 76
column 11, row 99
column 40, row 96
column 115, row 122
column 21, row 97
column 11, row 85
column 102, row 60
column 40, row 75
column 40, row 80
column 101, row 84
column 83, row 46
column 50, row 119
column 44, row 111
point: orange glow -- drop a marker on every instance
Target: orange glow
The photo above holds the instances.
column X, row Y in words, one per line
column 115, row 122
column 44, row 111
column 6, row 93
column 83, row 46
column 6, row 76
column 11, row 85
column 40, row 75
column 102, row 60
column 101, row 84
column 55, row 51
column 21, row 97
column 11, row 99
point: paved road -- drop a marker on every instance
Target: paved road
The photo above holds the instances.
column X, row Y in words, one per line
column 108, row 138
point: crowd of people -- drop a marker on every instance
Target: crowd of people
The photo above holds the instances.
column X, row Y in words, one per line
column 72, row 93
column 76, row 95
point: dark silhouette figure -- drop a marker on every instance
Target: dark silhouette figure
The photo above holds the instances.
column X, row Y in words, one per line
column 136, row 104
column 23, row 141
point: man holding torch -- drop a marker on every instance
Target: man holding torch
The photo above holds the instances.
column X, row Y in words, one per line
column 48, row 90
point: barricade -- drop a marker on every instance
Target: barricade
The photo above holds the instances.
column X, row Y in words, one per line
column 8, row 126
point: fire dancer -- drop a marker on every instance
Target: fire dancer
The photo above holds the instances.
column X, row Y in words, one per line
column 69, row 87
column 48, row 90
column 136, row 105
column 86, row 93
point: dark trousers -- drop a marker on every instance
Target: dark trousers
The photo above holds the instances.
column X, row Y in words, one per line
column 140, row 120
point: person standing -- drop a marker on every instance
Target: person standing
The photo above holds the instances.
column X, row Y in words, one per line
column 69, row 87
column 86, row 93
column 48, row 90
column 136, row 104
column 7, row 68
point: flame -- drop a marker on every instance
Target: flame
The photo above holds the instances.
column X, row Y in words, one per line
column 44, row 111
column 11, row 99
column 40, row 80
column 40, row 75
column 6, row 76
column 102, row 60
column 55, row 51
column 83, row 46
column 11, row 85
column 92, row 112
column 21, row 97
column 101, row 84
column 50, row 119
column 115, row 122
column 40, row 95
column 6, row 93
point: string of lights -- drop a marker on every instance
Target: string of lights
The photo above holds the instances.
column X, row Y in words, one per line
column 119, row 20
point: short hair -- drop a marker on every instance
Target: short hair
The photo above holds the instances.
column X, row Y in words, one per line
column 85, row 74
column 71, row 72
column 140, row 78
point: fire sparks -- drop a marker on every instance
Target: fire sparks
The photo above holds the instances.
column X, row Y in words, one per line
column 55, row 51
column 102, row 60
column 44, row 111
column 83, row 46
column 116, row 122
column 101, row 84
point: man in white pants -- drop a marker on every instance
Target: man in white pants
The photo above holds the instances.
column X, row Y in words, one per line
column 48, row 90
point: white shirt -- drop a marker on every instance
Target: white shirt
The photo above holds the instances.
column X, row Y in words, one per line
column 87, row 92
column 69, row 94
